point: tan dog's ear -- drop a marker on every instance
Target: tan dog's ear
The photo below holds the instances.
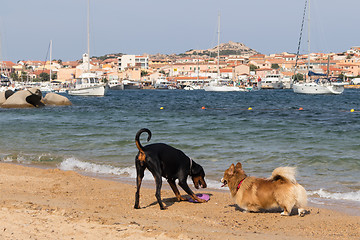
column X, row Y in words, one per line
column 238, row 166
column 231, row 169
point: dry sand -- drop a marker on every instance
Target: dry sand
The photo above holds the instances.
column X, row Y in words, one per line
column 53, row 204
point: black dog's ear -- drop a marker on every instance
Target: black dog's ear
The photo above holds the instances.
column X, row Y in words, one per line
column 197, row 170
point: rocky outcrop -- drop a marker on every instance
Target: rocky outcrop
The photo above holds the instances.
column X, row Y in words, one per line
column 31, row 98
column 230, row 48
column 24, row 99
column 56, row 99
column 5, row 95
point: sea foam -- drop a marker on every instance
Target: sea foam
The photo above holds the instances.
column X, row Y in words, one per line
column 73, row 164
column 351, row 196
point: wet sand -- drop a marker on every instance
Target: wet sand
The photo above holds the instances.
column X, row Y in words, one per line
column 53, row 204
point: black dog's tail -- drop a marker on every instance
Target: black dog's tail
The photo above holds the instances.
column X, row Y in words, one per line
column 138, row 144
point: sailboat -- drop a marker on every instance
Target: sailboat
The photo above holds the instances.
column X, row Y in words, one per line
column 217, row 84
column 88, row 84
column 321, row 85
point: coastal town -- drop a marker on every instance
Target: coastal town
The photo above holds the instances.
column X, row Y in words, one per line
column 233, row 62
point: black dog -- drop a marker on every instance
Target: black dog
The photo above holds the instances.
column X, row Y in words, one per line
column 165, row 161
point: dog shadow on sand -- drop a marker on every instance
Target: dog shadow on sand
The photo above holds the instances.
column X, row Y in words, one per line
column 294, row 211
column 171, row 201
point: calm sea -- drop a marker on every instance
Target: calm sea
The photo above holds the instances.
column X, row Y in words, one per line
column 96, row 135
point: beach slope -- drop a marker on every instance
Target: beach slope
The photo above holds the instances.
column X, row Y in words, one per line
column 53, row 204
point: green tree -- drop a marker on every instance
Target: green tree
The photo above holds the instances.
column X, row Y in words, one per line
column 14, row 76
column 53, row 76
column 275, row 66
column 44, row 77
column 341, row 76
column 23, row 76
column 253, row 67
column 298, row 77
column 143, row 73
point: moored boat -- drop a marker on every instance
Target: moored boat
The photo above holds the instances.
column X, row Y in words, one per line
column 88, row 84
column 272, row 81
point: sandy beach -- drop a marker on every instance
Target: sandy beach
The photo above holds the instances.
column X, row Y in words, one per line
column 54, row 204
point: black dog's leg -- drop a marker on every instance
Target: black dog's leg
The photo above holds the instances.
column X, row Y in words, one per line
column 175, row 190
column 183, row 184
column 158, row 182
column 139, row 176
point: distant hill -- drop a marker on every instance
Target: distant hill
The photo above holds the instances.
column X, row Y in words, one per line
column 230, row 48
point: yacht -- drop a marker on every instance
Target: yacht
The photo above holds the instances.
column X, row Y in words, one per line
column 87, row 84
column 272, row 81
column 319, row 87
column 162, row 83
column 114, row 84
column 322, row 85
column 217, row 84
column 128, row 84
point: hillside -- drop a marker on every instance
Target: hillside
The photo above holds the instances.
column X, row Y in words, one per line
column 230, row 48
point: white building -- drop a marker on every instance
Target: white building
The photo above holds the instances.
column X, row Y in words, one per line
column 127, row 61
column 86, row 65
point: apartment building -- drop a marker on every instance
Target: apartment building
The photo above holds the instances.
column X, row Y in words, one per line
column 127, row 61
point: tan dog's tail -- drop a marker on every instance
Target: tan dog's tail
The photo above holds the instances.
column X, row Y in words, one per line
column 141, row 156
column 285, row 173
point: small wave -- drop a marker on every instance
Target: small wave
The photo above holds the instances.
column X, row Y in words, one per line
column 352, row 196
column 16, row 158
column 73, row 164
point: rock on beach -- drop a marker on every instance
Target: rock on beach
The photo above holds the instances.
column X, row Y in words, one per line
column 31, row 98
column 56, row 99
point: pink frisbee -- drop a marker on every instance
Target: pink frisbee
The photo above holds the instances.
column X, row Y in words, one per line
column 201, row 196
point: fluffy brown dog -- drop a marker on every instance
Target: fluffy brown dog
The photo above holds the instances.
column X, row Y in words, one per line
column 253, row 194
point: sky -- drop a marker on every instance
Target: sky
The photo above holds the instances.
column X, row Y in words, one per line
column 171, row 26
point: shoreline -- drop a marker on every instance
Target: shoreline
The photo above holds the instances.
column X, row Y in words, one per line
column 329, row 204
column 56, row 204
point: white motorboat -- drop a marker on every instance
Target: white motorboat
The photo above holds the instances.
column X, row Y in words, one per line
column 192, row 87
column 272, row 81
column 115, row 84
column 318, row 87
column 127, row 84
column 216, row 86
column 87, row 84
column 162, row 83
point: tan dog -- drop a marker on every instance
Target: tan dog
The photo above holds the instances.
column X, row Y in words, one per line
column 253, row 194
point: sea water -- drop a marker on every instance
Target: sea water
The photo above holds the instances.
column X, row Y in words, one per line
column 263, row 130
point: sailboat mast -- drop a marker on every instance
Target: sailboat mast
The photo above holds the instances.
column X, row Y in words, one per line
column 88, row 34
column 50, row 58
column 218, row 47
column 309, row 35
column 328, row 68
